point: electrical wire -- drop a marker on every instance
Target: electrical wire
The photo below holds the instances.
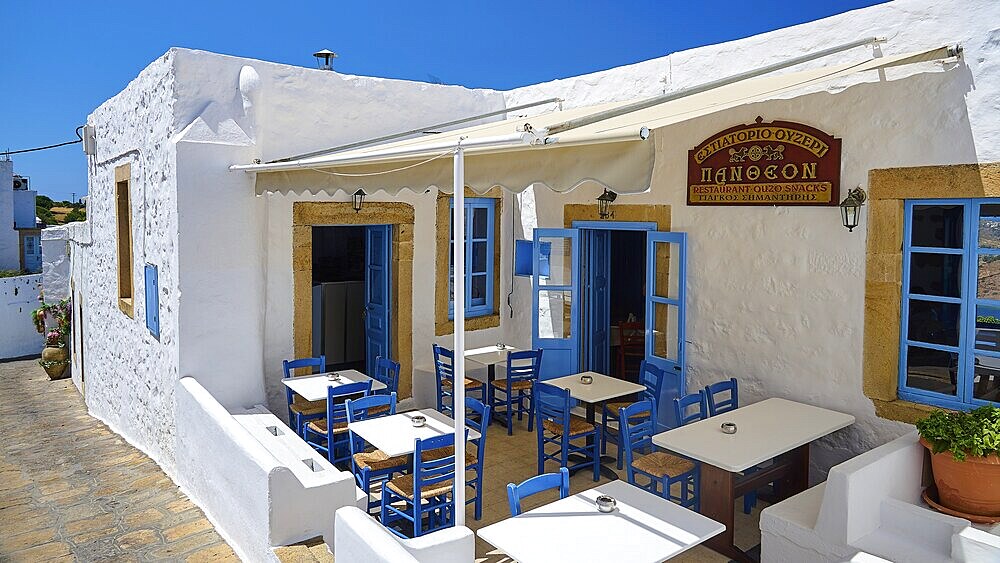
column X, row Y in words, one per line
column 78, row 140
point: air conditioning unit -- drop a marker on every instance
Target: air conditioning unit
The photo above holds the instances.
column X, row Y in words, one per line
column 20, row 183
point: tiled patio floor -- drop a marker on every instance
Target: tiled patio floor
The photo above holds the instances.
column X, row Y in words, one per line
column 70, row 489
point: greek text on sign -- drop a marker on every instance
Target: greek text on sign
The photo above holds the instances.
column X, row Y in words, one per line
column 777, row 163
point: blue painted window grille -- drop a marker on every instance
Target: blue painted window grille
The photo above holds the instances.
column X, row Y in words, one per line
column 950, row 329
column 153, row 300
column 479, row 252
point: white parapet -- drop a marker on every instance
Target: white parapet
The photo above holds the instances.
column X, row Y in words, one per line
column 361, row 538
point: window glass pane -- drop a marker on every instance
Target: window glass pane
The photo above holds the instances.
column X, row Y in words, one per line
column 936, row 274
column 479, row 257
column 934, row 323
column 479, row 290
column 988, row 328
column 988, row 279
column 986, row 380
column 665, row 331
column 479, row 222
column 931, row 370
column 989, row 226
column 668, row 266
column 937, row 226
column 560, row 268
column 554, row 309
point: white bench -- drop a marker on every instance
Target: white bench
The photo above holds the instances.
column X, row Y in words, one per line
column 361, row 538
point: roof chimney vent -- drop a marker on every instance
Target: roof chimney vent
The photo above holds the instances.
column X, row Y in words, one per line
column 324, row 59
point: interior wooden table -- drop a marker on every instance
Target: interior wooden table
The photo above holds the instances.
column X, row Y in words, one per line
column 776, row 429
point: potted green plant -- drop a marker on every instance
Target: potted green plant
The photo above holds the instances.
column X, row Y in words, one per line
column 964, row 450
column 53, row 320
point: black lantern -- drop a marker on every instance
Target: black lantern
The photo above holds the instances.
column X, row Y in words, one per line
column 324, row 59
column 358, row 200
column 850, row 208
column 604, row 203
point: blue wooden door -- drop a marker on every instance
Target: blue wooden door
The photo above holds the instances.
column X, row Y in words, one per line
column 598, row 300
column 555, row 319
column 666, row 255
column 377, row 294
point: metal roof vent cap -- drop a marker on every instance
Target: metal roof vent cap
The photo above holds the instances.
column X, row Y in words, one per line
column 324, row 59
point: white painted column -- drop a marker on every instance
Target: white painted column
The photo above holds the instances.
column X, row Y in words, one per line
column 458, row 398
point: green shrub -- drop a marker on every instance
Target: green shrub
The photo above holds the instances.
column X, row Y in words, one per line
column 975, row 433
column 12, row 273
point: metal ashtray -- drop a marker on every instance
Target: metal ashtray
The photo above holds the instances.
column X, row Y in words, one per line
column 333, row 376
column 418, row 420
column 728, row 428
column 587, row 380
column 501, row 346
column 606, row 503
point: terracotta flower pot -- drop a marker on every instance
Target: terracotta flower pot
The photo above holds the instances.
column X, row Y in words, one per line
column 971, row 486
column 54, row 361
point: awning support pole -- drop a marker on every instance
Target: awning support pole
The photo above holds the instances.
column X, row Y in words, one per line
column 458, row 387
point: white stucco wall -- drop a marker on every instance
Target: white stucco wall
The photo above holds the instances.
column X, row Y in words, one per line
column 18, row 298
column 9, row 249
column 55, row 263
column 776, row 294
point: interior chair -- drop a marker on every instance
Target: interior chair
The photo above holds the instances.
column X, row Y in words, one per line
column 557, row 426
column 372, row 466
column 522, row 371
column 661, row 469
column 537, row 484
column 652, row 378
column 632, row 345
column 444, row 380
column 424, row 497
column 300, row 410
column 477, row 416
column 722, row 397
column 683, row 411
column 329, row 435
column 387, row 373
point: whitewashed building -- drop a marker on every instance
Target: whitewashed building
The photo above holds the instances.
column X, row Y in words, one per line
column 192, row 281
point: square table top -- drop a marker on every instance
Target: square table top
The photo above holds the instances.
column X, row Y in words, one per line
column 644, row 528
column 313, row 387
column 603, row 387
column 488, row 355
column 764, row 430
column 395, row 434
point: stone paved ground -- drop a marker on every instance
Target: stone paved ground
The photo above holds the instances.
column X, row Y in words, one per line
column 70, row 489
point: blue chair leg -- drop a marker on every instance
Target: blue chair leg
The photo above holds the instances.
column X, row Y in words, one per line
column 597, row 455
column 531, row 413
column 749, row 501
column 604, row 437
column 510, row 418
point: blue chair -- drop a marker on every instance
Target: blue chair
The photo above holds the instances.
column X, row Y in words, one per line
column 474, row 455
column 661, row 469
column 535, row 485
column 557, row 426
column 330, row 434
column 724, row 396
column 425, row 491
column 652, row 378
column 522, row 371
column 387, row 373
column 371, row 466
column 718, row 403
column 682, row 404
column 300, row 410
column 444, row 380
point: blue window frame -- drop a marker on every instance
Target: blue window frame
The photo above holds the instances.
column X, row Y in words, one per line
column 153, row 300
column 950, row 329
column 479, row 255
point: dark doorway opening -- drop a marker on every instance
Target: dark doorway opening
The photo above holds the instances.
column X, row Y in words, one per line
column 627, row 297
column 338, row 291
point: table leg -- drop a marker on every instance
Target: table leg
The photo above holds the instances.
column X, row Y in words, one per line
column 717, row 503
column 797, row 479
column 491, row 375
column 605, row 470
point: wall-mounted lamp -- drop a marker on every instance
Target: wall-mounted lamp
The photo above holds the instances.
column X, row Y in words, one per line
column 358, row 199
column 604, row 203
column 850, row 208
column 324, row 59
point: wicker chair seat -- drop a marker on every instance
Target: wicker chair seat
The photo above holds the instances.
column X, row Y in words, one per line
column 447, row 451
column 319, row 425
column 468, row 383
column 403, row 486
column 378, row 411
column 577, row 426
column 307, row 408
column 614, row 407
column 519, row 385
column 660, row 464
column 378, row 460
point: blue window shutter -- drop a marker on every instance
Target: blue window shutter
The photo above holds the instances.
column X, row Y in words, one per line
column 152, row 300
column 482, row 306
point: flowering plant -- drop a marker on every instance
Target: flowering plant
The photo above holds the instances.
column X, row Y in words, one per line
column 56, row 315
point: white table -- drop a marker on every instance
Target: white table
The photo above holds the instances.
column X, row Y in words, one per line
column 313, row 387
column 645, row 528
column 600, row 390
column 766, row 430
column 395, row 434
column 490, row 356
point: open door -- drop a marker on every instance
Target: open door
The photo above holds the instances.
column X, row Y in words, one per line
column 666, row 255
column 377, row 275
column 597, row 300
column 555, row 321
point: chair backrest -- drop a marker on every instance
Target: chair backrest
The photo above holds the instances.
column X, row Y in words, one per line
column 482, row 411
column 444, row 364
column 651, row 377
column 523, row 365
column 336, row 401
column 632, row 335
column 637, row 431
column 715, row 393
column 537, row 484
column 318, row 365
column 387, row 372
column 684, row 412
column 552, row 403
column 434, row 469
column 360, row 409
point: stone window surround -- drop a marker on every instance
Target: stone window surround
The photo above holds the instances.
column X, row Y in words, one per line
column 306, row 215
column 887, row 190
column 123, row 237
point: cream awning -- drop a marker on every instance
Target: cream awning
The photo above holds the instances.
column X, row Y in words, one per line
column 611, row 150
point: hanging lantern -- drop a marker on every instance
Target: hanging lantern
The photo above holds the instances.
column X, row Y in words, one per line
column 358, row 200
column 850, row 208
column 324, row 59
column 604, row 203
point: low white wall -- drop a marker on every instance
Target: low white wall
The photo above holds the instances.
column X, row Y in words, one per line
column 55, row 263
column 360, row 538
column 18, row 298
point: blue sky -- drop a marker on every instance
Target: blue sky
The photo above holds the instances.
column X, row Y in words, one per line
column 60, row 60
